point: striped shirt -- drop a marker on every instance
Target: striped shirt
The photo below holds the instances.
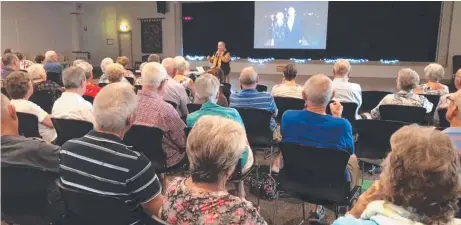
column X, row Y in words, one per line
column 454, row 133
column 251, row 98
column 100, row 163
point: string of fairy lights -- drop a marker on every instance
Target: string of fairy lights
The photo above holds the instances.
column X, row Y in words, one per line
column 296, row 60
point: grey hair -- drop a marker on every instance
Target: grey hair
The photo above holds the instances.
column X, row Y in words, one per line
column 181, row 63
column 77, row 61
column 214, row 146
column 113, row 105
column 169, row 62
column 342, row 67
column 153, row 73
column 248, row 76
column 407, row 79
column 36, row 71
column 105, row 62
column 9, row 58
column 434, row 72
column 114, row 72
column 72, row 77
column 88, row 68
column 153, row 58
column 207, row 87
column 318, row 90
column 49, row 55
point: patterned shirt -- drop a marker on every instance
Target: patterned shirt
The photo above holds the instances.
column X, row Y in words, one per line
column 49, row 85
column 53, row 67
column 427, row 90
column 154, row 112
column 182, row 206
column 403, row 98
column 92, row 90
column 251, row 98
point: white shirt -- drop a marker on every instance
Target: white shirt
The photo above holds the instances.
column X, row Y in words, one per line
column 73, row 106
column 348, row 92
column 24, row 106
column 290, row 22
column 287, row 91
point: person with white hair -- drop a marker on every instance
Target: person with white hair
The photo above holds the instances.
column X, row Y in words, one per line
column 52, row 65
column 346, row 91
column 214, row 147
column 77, row 61
column 38, row 76
column 91, row 89
column 151, row 58
column 154, row 112
column 407, row 81
column 314, row 127
column 181, row 67
column 174, row 91
column 434, row 73
column 71, row 104
column 100, row 163
column 444, row 102
column 104, row 64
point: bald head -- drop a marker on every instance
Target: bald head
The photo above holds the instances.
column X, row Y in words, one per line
column 318, row 90
column 248, row 77
column 170, row 66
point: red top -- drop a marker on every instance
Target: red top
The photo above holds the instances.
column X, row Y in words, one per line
column 92, row 90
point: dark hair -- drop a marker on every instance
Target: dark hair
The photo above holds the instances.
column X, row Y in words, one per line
column 8, row 59
column 39, row 58
column 19, row 55
column 217, row 72
column 290, row 71
column 8, row 50
column 17, row 84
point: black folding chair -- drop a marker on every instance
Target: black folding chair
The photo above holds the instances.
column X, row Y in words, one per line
column 55, row 77
column 137, row 88
column 370, row 99
column 193, row 107
column 261, row 88
column 403, row 113
column 284, row 104
column 130, row 79
column 88, row 98
column 44, row 99
column 101, row 85
column 434, row 99
column 172, row 103
column 226, row 90
column 349, row 109
column 443, row 122
column 323, row 180
column 68, row 129
column 28, row 125
column 26, row 196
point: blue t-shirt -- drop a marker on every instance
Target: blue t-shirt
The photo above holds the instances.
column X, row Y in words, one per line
column 454, row 133
column 322, row 131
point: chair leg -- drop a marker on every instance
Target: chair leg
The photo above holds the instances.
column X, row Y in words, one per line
column 258, row 192
column 363, row 171
column 276, row 207
column 304, row 213
column 163, row 177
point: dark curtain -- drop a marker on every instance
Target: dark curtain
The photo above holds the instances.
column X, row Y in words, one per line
column 151, row 35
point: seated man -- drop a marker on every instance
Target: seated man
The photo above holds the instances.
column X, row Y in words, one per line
column 71, row 104
column 51, row 64
column 19, row 87
column 91, row 89
column 174, row 91
column 313, row 127
column 344, row 90
column 154, row 112
column 249, row 97
column 101, row 163
column 454, row 117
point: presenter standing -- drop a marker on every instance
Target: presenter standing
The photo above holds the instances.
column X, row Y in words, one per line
column 221, row 59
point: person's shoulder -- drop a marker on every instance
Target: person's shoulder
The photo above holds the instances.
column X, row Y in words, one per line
column 355, row 85
column 35, row 144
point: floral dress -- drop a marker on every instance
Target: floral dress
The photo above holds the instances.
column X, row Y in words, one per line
column 184, row 207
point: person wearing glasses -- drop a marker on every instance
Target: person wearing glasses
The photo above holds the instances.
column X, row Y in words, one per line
column 454, row 117
column 443, row 103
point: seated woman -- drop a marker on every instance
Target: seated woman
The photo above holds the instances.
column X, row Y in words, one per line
column 19, row 87
column 288, row 88
column 434, row 74
column 222, row 100
column 38, row 75
column 115, row 73
column 181, row 68
column 151, row 58
column 23, row 62
column 104, row 64
column 214, row 147
column 125, row 62
column 407, row 80
column 420, row 183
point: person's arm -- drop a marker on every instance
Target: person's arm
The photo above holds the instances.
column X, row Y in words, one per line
column 358, row 96
column 176, row 126
column 47, row 121
column 374, row 113
column 349, row 137
column 48, row 156
column 372, row 194
column 87, row 113
column 273, row 107
column 226, row 58
column 427, row 104
column 336, row 109
column 191, row 87
column 42, row 116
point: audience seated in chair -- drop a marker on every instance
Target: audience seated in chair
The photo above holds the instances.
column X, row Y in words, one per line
column 91, row 89
column 20, row 151
column 407, row 80
column 421, row 164
column 19, row 88
column 39, row 59
column 104, row 64
column 434, row 74
column 10, row 64
column 114, row 73
column 214, row 147
column 181, row 67
column 120, row 172
column 454, row 117
column 288, row 88
column 175, row 92
column 23, row 62
column 125, row 62
column 152, row 111
column 344, row 90
column 52, row 64
column 443, row 102
column 151, row 58
column 71, row 104
column 222, row 100
column 38, row 75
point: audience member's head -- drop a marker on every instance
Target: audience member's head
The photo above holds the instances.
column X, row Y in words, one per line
column 123, row 60
column 434, row 72
column 318, row 91
column 407, row 79
column 115, row 72
column 18, row 85
column 218, row 73
column 9, row 118
column 207, row 88
column 170, row 66
column 453, row 114
column 20, row 56
column 153, row 76
column 106, row 62
column 11, row 61
column 77, row 61
column 214, row 146
column 422, row 174
column 342, row 68
column 181, row 64
column 74, row 80
column 458, row 79
column 153, row 58
column 8, row 50
column 51, row 56
column 40, row 59
column 289, row 72
column 249, row 78
column 114, row 109
column 37, row 73
column 88, row 68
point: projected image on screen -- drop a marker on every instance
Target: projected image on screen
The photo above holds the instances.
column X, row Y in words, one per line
column 291, row 25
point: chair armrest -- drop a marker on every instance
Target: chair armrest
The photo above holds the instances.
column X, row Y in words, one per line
column 354, row 194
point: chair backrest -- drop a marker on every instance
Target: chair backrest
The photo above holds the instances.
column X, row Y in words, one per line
column 148, row 140
column 443, row 122
column 172, row 103
column 404, row 113
column 261, row 88
column 68, row 129
column 28, row 125
column 55, row 77
column 137, row 87
column 101, row 85
column 130, row 79
column 193, row 107
column 257, row 125
column 434, row 99
column 284, row 104
column 374, row 137
column 370, row 99
column 349, row 109
column 226, row 90
column 44, row 99
column 90, row 99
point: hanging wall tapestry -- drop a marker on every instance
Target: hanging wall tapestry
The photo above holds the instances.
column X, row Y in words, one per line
column 151, row 35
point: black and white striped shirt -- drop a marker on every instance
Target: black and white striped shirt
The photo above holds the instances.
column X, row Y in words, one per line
column 100, row 163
